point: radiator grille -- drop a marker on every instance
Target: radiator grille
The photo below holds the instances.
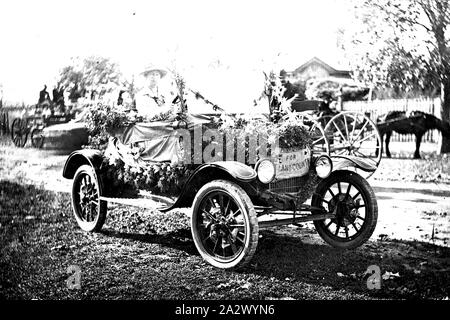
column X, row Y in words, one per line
column 287, row 185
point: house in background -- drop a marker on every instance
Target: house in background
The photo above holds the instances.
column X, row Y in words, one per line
column 314, row 68
column 316, row 80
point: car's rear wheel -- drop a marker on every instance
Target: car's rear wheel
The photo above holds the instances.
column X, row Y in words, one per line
column 353, row 201
column 224, row 225
column 88, row 209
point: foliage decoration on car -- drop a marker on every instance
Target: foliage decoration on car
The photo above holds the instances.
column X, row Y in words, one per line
column 126, row 173
column 104, row 121
column 286, row 134
column 274, row 90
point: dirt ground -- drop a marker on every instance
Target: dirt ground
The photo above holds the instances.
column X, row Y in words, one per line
column 150, row 255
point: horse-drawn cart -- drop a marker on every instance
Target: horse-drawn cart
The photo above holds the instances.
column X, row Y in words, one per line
column 348, row 133
column 232, row 200
column 32, row 123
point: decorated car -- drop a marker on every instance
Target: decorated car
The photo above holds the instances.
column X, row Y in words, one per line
column 239, row 174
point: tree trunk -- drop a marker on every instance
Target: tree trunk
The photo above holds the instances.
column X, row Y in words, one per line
column 445, row 113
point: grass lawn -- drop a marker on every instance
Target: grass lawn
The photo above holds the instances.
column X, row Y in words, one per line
column 150, row 255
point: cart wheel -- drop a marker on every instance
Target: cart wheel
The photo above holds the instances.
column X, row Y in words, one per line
column 353, row 201
column 224, row 225
column 354, row 134
column 19, row 132
column 89, row 210
column 37, row 138
column 320, row 142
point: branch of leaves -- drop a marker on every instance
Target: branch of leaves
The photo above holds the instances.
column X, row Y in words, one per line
column 155, row 177
column 288, row 133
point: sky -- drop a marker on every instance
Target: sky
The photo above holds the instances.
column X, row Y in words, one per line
column 38, row 38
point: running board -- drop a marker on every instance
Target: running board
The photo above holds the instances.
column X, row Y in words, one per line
column 144, row 200
column 282, row 222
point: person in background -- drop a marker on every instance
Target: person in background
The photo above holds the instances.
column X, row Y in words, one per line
column 44, row 103
column 120, row 98
column 55, row 93
column 124, row 100
column 44, row 96
column 60, row 100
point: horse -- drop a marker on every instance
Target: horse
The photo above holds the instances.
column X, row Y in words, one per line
column 415, row 122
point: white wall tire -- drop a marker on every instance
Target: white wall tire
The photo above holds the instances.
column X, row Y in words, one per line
column 224, row 225
column 88, row 209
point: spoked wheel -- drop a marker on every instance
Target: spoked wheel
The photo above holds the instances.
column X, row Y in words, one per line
column 37, row 138
column 354, row 134
column 320, row 142
column 352, row 200
column 224, row 225
column 19, row 132
column 89, row 210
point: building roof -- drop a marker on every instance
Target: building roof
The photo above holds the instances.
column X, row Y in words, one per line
column 327, row 67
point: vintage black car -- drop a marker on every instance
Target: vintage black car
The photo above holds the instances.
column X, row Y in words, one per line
column 232, row 201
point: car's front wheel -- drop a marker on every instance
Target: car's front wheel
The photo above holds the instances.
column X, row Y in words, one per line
column 88, row 209
column 224, row 225
column 352, row 200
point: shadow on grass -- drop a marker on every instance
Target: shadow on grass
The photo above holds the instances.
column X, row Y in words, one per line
column 180, row 239
column 16, row 196
column 291, row 257
column 295, row 258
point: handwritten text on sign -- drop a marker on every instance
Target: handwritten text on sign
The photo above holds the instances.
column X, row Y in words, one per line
column 293, row 163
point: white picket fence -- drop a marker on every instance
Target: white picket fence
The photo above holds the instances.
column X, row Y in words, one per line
column 377, row 108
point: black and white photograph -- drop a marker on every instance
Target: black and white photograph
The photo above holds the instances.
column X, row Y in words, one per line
column 232, row 158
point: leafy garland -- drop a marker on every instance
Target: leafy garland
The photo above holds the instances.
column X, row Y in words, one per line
column 104, row 121
column 126, row 175
column 289, row 133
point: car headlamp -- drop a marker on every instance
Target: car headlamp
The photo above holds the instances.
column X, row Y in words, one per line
column 323, row 166
column 265, row 170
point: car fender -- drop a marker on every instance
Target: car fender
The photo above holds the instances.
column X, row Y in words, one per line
column 237, row 170
column 91, row 157
column 234, row 171
column 344, row 162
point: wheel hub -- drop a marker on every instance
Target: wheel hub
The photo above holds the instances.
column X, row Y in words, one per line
column 221, row 228
column 87, row 194
column 346, row 209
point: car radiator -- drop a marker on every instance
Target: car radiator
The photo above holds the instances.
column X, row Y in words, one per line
column 287, row 185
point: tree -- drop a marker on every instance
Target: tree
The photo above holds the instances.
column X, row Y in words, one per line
column 403, row 45
column 93, row 74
